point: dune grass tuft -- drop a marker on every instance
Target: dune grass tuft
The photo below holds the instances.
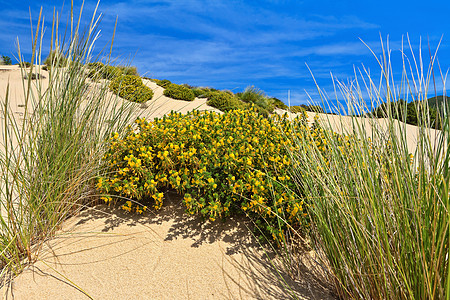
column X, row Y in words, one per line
column 49, row 159
column 379, row 210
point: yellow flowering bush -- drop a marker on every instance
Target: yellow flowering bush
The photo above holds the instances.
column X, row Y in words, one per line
column 223, row 164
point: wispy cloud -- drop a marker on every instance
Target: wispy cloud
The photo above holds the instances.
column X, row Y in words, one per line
column 229, row 43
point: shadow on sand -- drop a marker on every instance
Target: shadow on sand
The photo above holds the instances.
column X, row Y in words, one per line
column 263, row 268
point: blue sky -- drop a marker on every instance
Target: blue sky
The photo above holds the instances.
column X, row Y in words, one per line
column 230, row 44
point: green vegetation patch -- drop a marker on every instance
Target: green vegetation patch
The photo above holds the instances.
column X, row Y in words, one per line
column 414, row 113
column 56, row 59
column 256, row 96
column 278, row 103
column 223, row 101
column 180, row 92
column 131, row 88
column 98, row 70
column 164, row 83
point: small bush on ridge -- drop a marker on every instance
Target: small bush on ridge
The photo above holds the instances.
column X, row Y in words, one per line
column 98, row 70
column 5, row 60
column 176, row 91
column 24, row 64
column 131, row 88
column 296, row 109
column 162, row 83
column 223, row 101
column 278, row 103
column 254, row 95
column 198, row 92
column 128, row 70
column 55, row 58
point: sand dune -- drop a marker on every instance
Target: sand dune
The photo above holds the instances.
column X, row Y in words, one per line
column 109, row 254
column 106, row 253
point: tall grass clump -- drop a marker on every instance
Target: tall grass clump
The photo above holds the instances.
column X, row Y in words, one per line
column 49, row 158
column 378, row 202
column 256, row 96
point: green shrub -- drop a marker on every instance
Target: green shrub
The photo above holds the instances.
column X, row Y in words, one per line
column 204, row 92
column 131, row 88
column 98, row 70
column 6, row 60
column 162, row 83
column 128, row 70
column 111, row 72
column 24, row 64
column 198, row 92
column 142, row 94
column 223, row 101
column 296, row 109
column 180, row 92
column 188, row 86
column 310, row 107
column 95, row 70
column 408, row 112
column 55, row 58
column 278, row 103
column 254, row 95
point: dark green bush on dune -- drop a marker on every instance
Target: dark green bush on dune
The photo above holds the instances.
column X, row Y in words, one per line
column 412, row 112
column 24, row 64
column 224, row 101
column 128, row 70
column 278, row 103
column 55, row 58
column 205, row 92
column 5, row 60
column 142, row 94
column 110, row 72
column 130, row 87
column 176, row 91
column 296, row 109
column 162, row 83
column 198, row 92
column 98, row 70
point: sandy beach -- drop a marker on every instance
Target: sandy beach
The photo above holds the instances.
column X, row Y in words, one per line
column 105, row 253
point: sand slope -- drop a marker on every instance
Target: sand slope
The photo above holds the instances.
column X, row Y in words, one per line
column 108, row 254
column 105, row 253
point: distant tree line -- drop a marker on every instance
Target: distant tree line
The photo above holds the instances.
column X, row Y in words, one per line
column 414, row 112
